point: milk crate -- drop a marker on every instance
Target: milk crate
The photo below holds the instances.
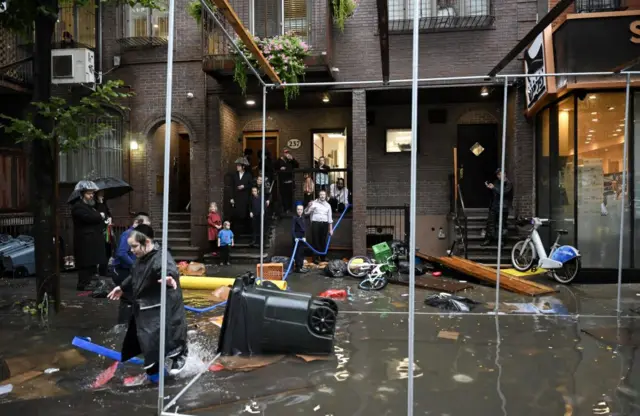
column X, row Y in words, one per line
column 272, row 271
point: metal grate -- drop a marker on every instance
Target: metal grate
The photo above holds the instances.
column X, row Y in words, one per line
column 101, row 158
column 592, row 6
column 12, row 59
column 436, row 15
column 144, row 27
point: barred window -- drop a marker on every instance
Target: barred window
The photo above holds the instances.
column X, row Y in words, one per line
column 102, row 158
column 141, row 22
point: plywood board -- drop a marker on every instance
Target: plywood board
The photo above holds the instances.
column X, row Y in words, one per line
column 434, row 283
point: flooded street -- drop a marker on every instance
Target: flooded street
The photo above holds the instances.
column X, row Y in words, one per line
column 578, row 360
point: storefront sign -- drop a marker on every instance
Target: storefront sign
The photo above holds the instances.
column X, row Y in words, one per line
column 534, row 64
column 294, row 144
column 634, row 27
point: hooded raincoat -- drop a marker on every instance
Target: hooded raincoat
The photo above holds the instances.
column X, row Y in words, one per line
column 143, row 335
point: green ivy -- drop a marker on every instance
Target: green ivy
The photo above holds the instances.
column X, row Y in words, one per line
column 342, row 11
column 195, row 9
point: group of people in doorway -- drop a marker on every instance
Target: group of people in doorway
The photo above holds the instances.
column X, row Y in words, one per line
column 136, row 271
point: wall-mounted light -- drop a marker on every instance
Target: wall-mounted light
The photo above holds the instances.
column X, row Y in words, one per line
column 325, row 98
column 251, row 102
column 133, row 145
column 484, row 92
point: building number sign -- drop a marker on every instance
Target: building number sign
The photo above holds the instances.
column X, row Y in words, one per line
column 294, row 144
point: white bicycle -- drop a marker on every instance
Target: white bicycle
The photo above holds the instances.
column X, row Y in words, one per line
column 563, row 261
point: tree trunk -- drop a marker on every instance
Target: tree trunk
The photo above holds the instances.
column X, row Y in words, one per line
column 42, row 161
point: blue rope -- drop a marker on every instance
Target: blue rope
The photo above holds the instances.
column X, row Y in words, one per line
column 87, row 345
column 326, row 249
column 203, row 310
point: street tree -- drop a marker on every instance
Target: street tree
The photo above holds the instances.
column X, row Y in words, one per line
column 52, row 124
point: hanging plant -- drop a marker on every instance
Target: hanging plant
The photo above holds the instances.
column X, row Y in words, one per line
column 285, row 53
column 342, row 11
column 194, row 9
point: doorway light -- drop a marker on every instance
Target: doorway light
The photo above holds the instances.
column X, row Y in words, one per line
column 592, row 97
column 133, row 145
column 484, row 92
column 595, row 120
column 325, row 98
column 251, row 102
column 335, row 136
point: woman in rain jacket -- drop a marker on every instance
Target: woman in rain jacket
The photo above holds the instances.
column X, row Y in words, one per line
column 143, row 334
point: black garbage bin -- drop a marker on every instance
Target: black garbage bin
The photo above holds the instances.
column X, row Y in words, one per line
column 259, row 320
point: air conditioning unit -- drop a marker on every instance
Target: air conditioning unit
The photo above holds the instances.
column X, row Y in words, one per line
column 72, row 66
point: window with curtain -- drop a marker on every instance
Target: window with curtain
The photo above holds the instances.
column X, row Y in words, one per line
column 295, row 17
column 103, row 157
column 145, row 22
column 403, row 9
column 79, row 22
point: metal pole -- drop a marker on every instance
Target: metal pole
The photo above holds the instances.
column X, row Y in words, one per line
column 282, row 17
column 624, row 188
column 264, row 147
column 165, row 204
column 502, row 163
column 412, row 201
column 252, row 17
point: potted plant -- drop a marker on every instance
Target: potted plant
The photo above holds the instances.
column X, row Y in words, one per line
column 342, row 11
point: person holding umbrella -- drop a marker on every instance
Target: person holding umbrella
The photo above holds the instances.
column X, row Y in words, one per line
column 88, row 234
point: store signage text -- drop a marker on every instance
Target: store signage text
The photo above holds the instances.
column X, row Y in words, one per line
column 634, row 27
column 536, row 86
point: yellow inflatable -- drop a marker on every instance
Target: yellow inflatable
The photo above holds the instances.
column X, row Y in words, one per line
column 213, row 283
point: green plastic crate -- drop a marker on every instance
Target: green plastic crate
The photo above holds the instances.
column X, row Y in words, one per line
column 381, row 253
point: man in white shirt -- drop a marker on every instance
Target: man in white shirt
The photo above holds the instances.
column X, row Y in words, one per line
column 321, row 224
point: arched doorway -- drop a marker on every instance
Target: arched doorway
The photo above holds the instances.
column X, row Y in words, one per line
column 180, row 165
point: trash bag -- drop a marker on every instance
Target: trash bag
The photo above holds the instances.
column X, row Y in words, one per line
column 336, row 268
column 196, row 269
column 403, row 267
column 448, row 302
column 281, row 259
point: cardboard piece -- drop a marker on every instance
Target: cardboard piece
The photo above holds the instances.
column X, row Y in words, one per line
column 452, row 335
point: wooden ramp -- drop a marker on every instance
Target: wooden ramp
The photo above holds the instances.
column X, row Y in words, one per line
column 487, row 274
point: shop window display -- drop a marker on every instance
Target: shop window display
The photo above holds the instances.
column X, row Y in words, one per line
column 600, row 144
column 562, row 169
column 636, row 178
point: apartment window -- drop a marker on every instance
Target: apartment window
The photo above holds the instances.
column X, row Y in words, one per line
column 13, row 181
column 440, row 14
column 295, row 18
column 76, row 25
column 101, row 158
column 398, row 140
column 143, row 22
column 592, row 6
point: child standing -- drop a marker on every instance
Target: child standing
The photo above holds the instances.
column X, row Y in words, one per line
column 308, row 189
column 255, row 212
column 298, row 230
column 225, row 242
column 215, row 225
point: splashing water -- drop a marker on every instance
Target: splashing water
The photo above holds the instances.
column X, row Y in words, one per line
column 200, row 354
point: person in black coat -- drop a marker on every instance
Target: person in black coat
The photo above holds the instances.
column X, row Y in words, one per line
column 299, row 231
column 102, row 207
column 286, row 183
column 88, row 236
column 143, row 334
column 240, row 194
column 256, row 213
column 493, row 219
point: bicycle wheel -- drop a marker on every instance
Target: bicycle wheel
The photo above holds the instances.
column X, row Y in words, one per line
column 376, row 283
column 359, row 266
column 568, row 271
column 523, row 256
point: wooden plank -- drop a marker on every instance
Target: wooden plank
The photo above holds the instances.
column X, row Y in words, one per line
column 228, row 12
column 487, row 274
column 433, row 283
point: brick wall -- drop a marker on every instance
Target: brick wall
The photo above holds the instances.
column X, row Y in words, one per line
column 360, row 181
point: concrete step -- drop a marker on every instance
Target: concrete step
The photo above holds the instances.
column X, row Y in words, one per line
column 493, row 248
column 187, row 253
column 175, row 233
column 179, row 216
column 180, row 224
column 484, row 218
column 481, row 226
column 508, row 239
column 178, row 241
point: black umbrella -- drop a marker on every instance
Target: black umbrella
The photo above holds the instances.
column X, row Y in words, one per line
column 112, row 187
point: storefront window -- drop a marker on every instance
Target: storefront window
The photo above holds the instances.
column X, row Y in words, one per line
column 561, row 169
column 600, row 139
column 636, row 181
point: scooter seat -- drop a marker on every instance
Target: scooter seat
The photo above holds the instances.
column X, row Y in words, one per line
column 562, row 232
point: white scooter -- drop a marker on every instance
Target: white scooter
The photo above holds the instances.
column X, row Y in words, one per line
column 563, row 261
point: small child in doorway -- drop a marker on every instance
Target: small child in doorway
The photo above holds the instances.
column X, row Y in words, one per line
column 225, row 242
column 298, row 230
column 215, row 225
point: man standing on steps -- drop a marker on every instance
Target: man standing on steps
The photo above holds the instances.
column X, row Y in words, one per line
column 321, row 225
column 493, row 220
column 284, row 167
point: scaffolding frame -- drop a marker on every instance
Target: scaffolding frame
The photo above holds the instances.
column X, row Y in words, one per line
column 414, row 81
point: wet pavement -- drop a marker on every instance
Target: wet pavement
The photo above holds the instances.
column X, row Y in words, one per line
column 580, row 361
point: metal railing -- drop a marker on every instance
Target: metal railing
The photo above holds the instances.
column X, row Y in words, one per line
column 15, row 61
column 309, row 182
column 436, row 15
column 459, row 246
column 76, row 27
column 594, row 6
column 387, row 223
column 307, row 19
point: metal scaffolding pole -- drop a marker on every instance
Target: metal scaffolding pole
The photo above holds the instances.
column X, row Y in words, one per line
column 165, row 206
column 412, row 205
column 264, row 150
column 625, row 156
column 502, row 163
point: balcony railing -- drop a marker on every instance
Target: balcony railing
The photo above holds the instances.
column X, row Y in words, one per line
column 15, row 63
column 440, row 15
column 308, row 19
column 594, row 6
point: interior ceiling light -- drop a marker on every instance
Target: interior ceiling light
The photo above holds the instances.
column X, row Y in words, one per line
column 595, row 120
column 594, row 113
column 251, row 102
column 618, row 129
column 325, row 98
column 592, row 97
column 592, row 131
column 611, row 108
column 484, row 92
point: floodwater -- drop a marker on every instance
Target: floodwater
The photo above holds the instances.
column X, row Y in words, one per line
column 579, row 360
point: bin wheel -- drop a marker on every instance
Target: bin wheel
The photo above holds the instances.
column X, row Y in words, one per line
column 322, row 320
column 20, row 272
column 328, row 303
